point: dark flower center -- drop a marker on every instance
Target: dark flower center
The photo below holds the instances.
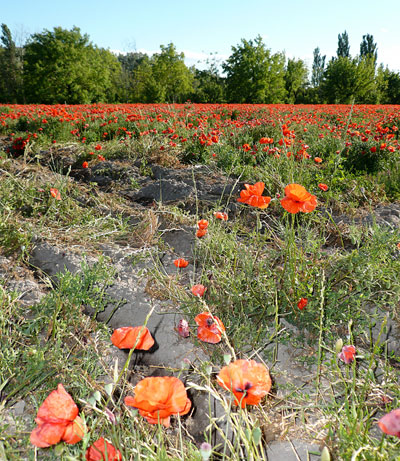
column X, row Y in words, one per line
column 209, row 321
column 246, row 387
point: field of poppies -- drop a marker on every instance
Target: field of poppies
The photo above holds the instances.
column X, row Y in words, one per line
column 302, row 254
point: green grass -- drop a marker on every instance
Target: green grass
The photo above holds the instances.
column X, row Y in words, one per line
column 256, row 267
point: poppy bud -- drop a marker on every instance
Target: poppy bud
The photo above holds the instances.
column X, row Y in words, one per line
column 339, row 345
column 183, row 328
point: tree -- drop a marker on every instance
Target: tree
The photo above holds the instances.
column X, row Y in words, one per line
column 368, row 48
column 388, row 86
column 318, row 68
column 295, row 79
column 163, row 78
column 63, row 66
column 343, row 50
column 208, row 85
column 127, row 85
column 347, row 79
column 254, row 75
column 171, row 73
column 11, row 86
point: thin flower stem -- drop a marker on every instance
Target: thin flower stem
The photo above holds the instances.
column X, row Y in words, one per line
column 321, row 324
column 128, row 360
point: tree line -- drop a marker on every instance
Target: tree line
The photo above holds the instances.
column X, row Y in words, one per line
column 63, row 66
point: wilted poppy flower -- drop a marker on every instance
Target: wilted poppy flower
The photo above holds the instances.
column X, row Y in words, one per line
column 183, row 328
column 55, row 193
column 57, row 420
column 85, row 165
column 253, row 195
column 202, row 224
column 132, row 337
column 248, row 380
column 323, row 187
column 101, row 450
column 302, row 303
column 390, row 423
column 201, row 233
column 157, row 398
column 298, row 199
column 181, row 262
column 210, row 328
column 347, row 354
column 317, row 159
column 198, row 290
column 221, row 215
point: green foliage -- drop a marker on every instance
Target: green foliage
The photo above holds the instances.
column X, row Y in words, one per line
column 63, row 66
column 318, row 68
column 347, row 80
column 295, row 80
column 163, row 78
column 343, row 50
column 360, row 158
column 11, row 85
column 254, row 75
column 368, row 48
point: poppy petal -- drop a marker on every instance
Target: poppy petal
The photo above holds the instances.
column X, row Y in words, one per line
column 132, row 337
column 248, row 380
column 208, row 336
column 157, row 398
column 74, row 432
column 47, row 434
column 57, row 407
column 390, row 423
column 97, row 451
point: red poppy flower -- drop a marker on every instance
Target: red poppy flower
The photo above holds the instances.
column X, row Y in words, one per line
column 390, row 423
column 55, row 193
column 248, row 380
column 132, row 337
column 201, row 233
column 317, row 160
column 198, row 290
column 202, row 224
column 210, row 328
column 246, row 147
column 181, row 262
column 101, row 450
column 221, row 215
column 302, row 303
column 57, row 419
column 101, row 158
column 348, row 353
column 85, row 165
column 253, row 196
column 157, row 398
column 323, row 187
column 298, row 199
column 98, row 147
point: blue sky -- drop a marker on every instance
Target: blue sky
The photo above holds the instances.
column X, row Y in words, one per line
column 200, row 27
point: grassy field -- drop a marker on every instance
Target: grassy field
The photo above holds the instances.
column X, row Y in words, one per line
column 312, row 279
